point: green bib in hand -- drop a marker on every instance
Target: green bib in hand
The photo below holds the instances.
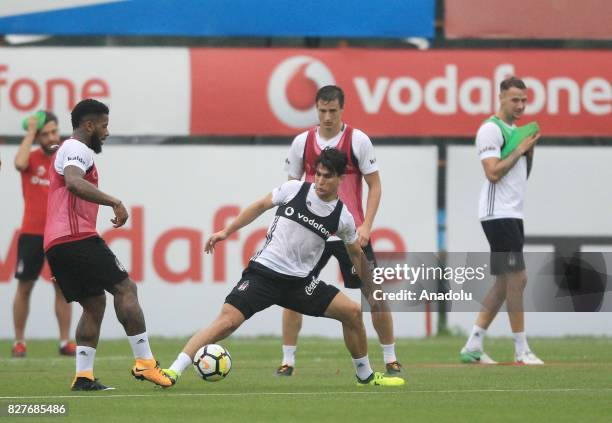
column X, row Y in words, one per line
column 513, row 137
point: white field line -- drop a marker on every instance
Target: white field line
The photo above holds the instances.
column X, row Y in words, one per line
column 367, row 391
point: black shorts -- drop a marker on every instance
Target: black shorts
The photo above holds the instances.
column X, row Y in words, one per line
column 338, row 250
column 506, row 238
column 260, row 287
column 30, row 257
column 85, row 268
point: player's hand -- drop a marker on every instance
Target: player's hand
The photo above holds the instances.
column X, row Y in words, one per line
column 209, row 247
column 32, row 124
column 121, row 215
column 364, row 234
column 529, row 142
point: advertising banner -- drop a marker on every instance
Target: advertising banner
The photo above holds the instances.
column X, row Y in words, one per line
column 160, row 92
column 526, row 19
column 262, row 18
column 397, row 93
column 147, row 89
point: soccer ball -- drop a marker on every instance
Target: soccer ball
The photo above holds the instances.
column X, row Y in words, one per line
column 212, row 362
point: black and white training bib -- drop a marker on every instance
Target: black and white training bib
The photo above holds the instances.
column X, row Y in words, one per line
column 296, row 237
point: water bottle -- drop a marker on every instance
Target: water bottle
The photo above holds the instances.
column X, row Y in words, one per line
column 40, row 118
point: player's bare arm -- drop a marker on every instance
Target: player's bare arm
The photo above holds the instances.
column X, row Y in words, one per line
column 245, row 217
column 77, row 185
column 495, row 168
column 372, row 202
column 23, row 153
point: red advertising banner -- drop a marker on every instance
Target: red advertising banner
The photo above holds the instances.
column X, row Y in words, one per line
column 397, row 92
column 541, row 19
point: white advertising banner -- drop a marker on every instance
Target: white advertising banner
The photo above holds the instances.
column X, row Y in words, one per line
column 568, row 197
column 148, row 90
column 178, row 196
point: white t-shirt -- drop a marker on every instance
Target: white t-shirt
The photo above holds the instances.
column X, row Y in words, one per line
column 290, row 248
column 505, row 198
column 73, row 153
column 362, row 149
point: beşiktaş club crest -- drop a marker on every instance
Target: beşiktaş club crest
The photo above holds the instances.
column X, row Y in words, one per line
column 243, row 286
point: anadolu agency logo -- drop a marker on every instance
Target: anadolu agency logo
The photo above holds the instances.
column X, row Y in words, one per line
column 292, row 88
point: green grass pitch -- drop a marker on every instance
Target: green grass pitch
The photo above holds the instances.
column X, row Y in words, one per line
column 574, row 386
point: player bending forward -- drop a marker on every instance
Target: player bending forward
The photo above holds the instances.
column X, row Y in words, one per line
column 281, row 272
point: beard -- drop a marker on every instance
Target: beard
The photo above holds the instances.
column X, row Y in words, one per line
column 50, row 149
column 95, row 143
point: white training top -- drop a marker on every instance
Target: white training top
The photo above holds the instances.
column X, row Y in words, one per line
column 362, row 149
column 73, row 153
column 505, row 198
column 290, row 248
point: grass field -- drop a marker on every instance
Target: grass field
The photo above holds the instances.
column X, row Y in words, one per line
column 574, row 386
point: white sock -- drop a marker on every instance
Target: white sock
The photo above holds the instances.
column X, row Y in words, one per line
column 181, row 363
column 474, row 342
column 85, row 357
column 362, row 367
column 17, row 341
column 63, row 343
column 140, row 346
column 388, row 353
column 520, row 343
column 289, row 355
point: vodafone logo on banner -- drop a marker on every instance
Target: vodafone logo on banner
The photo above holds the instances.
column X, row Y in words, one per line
column 147, row 90
column 292, row 88
column 396, row 92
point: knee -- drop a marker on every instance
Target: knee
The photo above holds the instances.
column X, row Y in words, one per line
column 298, row 322
column 517, row 284
column 515, row 290
column 353, row 314
column 95, row 307
column 25, row 288
column 377, row 307
column 294, row 318
column 126, row 288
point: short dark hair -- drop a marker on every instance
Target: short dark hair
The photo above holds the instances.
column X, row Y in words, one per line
column 332, row 159
column 49, row 117
column 510, row 82
column 85, row 108
column 330, row 93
